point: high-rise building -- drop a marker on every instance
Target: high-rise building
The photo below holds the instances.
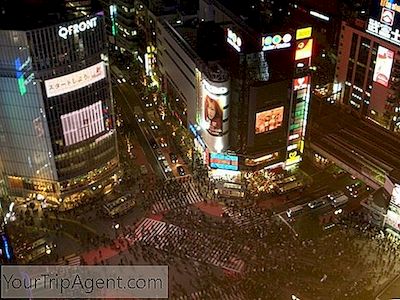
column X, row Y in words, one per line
column 368, row 69
column 57, row 133
column 239, row 76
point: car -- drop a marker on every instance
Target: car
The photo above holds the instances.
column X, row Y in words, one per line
column 160, row 155
column 139, row 118
column 153, row 126
column 354, row 186
column 181, row 171
column 153, row 143
column 173, row 157
column 166, row 166
column 163, row 143
column 340, row 201
column 332, row 196
column 316, row 203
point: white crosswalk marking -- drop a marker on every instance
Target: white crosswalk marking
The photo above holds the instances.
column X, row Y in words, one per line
column 178, row 192
column 214, row 293
column 194, row 245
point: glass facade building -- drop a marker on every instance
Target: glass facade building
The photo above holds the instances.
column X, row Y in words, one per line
column 57, row 135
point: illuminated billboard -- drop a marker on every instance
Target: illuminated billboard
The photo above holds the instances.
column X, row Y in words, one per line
column 393, row 219
column 384, row 21
column 269, row 120
column 83, row 123
column 74, row 81
column 234, row 40
column 383, row 66
column 214, row 99
column 224, row 161
column 301, row 83
column 303, row 33
column 396, row 195
column 304, row 49
column 277, row 41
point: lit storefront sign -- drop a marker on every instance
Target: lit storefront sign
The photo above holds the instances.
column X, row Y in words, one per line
column 224, row 161
column 234, row 40
column 149, row 60
column 301, row 100
column 276, row 42
column 393, row 219
column 304, row 49
column 303, row 33
column 383, row 66
column 83, row 123
column 64, row 32
column 251, row 162
column 74, row 81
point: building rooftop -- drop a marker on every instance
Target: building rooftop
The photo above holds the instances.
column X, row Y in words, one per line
column 31, row 14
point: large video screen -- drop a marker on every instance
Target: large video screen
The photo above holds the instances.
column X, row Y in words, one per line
column 82, row 124
column 224, row 161
column 383, row 66
column 74, row 81
column 269, row 120
column 214, row 100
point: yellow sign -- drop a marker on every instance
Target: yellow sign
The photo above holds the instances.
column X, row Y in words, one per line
column 303, row 33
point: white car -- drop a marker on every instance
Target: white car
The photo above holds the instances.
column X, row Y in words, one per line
column 139, row 118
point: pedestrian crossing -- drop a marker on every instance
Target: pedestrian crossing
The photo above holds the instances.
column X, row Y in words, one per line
column 71, row 260
column 175, row 194
column 190, row 244
column 247, row 217
column 214, row 293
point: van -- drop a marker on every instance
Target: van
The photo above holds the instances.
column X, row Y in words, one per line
column 340, row 201
column 293, row 211
column 119, row 207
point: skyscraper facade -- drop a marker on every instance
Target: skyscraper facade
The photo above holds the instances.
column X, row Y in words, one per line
column 56, row 115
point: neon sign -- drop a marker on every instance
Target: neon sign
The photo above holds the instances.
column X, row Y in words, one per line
column 20, row 75
column 276, row 42
column 234, row 40
column 64, row 32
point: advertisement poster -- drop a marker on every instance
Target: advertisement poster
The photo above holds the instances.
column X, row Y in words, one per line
column 269, row 120
column 383, row 66
column 304, row 49
column 74, row 81
column 82, row 124
column 213, row 115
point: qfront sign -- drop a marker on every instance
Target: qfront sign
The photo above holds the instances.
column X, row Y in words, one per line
column 65, row 32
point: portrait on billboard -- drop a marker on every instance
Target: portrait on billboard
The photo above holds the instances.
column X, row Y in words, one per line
column 269, row 120
column 213, row 115
column 383, row 66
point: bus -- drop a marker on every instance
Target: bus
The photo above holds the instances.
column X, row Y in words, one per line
column 291, row 186
column 119, row 206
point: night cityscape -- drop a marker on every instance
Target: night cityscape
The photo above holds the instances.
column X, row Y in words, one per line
column 252, row 148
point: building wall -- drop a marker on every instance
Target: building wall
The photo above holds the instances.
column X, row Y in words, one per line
column 355, row 68
column 177, row 66
column 62, row 128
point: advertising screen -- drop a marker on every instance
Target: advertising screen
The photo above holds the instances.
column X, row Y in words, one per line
column 224, row 161
column 383, row 66
column 269, row 120
column 393, row 219
column 214, row 100
column 304, row 49
column 74, row 81
column 396, row 195
column 301, row 83
column 82, row 124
